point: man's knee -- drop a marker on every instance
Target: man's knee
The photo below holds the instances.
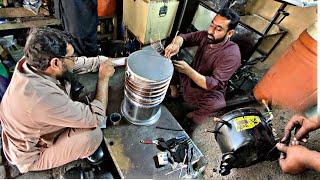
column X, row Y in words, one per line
column 72, row 145
column 94, row 136
column 88, row 138
column 211, row 104
column 206, row 107
column 90, row 141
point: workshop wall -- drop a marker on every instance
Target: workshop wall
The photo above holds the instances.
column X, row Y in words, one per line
column 298, row 20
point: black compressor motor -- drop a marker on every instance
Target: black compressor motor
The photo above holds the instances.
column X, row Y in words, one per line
column 245, row 137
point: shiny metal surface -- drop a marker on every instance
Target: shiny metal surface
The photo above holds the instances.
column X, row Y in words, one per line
column 150, row 66
column 147, row 79
column 140, row 115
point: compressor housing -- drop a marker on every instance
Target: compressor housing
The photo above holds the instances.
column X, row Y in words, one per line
column 245, row 138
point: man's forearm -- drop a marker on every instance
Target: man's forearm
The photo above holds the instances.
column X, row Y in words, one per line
column 102, row 91
column 119, row 61
column 313, row 160
column 86, row 64
column 198, row 78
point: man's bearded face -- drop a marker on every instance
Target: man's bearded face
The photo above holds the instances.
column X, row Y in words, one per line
column 67, row 74
column 212, row 40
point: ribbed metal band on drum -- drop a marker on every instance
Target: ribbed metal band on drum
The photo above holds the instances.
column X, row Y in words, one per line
column 143, row 95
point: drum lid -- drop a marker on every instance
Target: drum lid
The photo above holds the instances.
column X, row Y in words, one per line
column 150, row 65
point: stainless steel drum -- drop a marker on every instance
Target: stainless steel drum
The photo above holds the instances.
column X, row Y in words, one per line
column 147, row 79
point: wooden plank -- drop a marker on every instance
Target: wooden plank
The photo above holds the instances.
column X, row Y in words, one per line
column 20, row 12
column 29, row 24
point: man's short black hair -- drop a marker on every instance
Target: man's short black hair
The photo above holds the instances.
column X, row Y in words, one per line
column 43, row 44
column 230, row 15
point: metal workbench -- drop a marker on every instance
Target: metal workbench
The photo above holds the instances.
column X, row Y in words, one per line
column 131, row 158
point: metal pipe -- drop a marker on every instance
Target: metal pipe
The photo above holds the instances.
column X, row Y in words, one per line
column 264, row 102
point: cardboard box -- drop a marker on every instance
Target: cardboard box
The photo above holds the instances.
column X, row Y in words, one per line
column 147, row 19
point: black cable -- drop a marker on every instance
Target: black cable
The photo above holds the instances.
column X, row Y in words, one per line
column 170, row 129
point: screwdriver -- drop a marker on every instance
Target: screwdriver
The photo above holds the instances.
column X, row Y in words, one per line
column 149, row 141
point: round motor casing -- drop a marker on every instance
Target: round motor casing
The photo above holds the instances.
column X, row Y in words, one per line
column 244, row 138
